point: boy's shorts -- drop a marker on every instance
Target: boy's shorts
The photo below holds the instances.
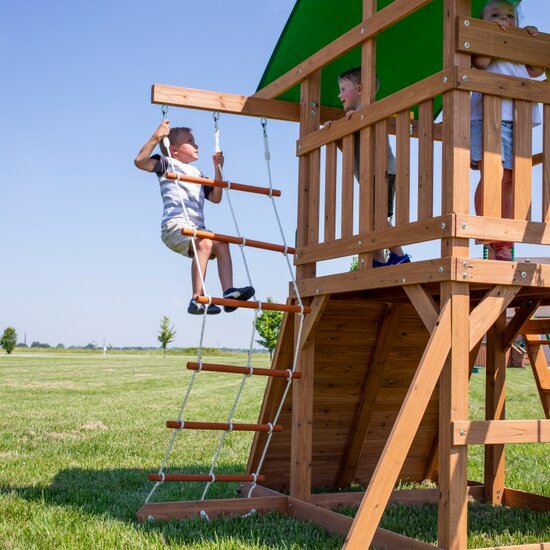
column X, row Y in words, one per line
column 476, row 143
column 172, row 237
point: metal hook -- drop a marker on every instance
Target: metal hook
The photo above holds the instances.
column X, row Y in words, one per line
column 164, row 110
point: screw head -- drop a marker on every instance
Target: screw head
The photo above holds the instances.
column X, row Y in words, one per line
column 465, row 275
column 523, row 274
column 467, row 45
column 441, row 269
column 462, row 432
column 463, row 225
column 464, row 77
column 359, row 243
column 466, row 22
column 443, row 225
column 445, row 79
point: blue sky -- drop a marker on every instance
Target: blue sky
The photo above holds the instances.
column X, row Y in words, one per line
column 82, row 260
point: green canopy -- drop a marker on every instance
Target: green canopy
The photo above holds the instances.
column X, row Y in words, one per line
column 405, row 53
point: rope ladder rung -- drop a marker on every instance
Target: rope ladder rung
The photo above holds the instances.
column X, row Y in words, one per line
column 224, row 184
column 227, row 478
column 202, row 234
column 216, row 367
column 252, row 305
column 226, row 426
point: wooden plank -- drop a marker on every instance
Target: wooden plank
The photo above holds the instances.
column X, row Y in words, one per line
column 488, row 311
column 425, row 160
column 535, row 546
column 412, row 273
column 491, row 432
column 497, row 229
column 371, row 114
column 422, row 231
column 541, row 373
column 381, row 175
column 165, row 511
column 311, row 321
column 330, row 191
column 367, row 402
column 366, row 30
column 518, row 321
column 314, row 195
column 521, row 499
column 546, row 163
column 495, row 401
column 535, row 326
column 491, row 172
column 523, row 146
column 424, row 304
column 329, row 520
column 483, row 38
column 404, row 429
column 402, row 168
column 347, row 186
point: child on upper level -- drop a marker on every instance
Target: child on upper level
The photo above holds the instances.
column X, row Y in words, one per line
column 504, row 14
column 184, row 208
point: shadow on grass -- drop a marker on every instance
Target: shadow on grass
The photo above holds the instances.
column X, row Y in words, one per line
column 120, row 493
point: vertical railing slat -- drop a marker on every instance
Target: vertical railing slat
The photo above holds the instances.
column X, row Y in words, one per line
column 381, row 175
column 546, row 165
column 523, row 163
column 491, row 171
column 402, row 168
column 330, row 191
column 314, row 195
column 425, row 160
column 347, row 185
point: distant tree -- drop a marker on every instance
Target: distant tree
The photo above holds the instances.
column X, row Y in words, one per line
column 60, row 346
column 36, row 344
column 9, row 339
column 166, row 334
column 268, row 325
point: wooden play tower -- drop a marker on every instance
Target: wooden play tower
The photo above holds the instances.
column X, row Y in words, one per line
column 386, row 353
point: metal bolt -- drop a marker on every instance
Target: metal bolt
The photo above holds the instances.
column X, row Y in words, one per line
column 441, row 270
column 463, row 225
column 467, row 45
column 443, row 226
column 403, row 280
column 150, row 518
column 359, row 243
column 362, row 30
column 466, row 22
column 466, row 264
column 300, row 70
column 299, row 146
column 445, row 79
column 523, row 274
column 317, row 291
column 462, row 432
column 465, row 275
column 465, row 77
column 362, row 117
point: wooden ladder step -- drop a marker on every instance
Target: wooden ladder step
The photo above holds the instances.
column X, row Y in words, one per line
column 227, row 478
column 536, row 326
column 237, row 240
column 224, row 184
column 186, row 425
column 215, row 367
column 251, row 305
column 537, row 341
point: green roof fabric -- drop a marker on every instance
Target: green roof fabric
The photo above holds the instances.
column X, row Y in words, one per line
column 405, row 53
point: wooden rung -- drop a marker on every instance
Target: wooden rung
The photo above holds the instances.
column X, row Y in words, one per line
column 205, row 477
column 251, row 305
column 224, row 184
column 537, row 342
column 214, row 367
column 180, row 424
column 237, row 240
column 536, row 326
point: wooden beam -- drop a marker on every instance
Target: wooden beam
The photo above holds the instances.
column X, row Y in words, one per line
column 536, row 326
column 421, row 231
column 424, row 304
column 165, row 511
column 312, row 319
column 371, row 114
column 518, row 321
column 535, row 546
column 521, row 499
column 400, row 439
column 488, row 311
column 366, row 30
column 490, row 432
column 367, row 402
column 495, row 402
column 477, row 37
column 541, row 373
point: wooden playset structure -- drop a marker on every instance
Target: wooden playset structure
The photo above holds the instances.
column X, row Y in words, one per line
column 381, row 390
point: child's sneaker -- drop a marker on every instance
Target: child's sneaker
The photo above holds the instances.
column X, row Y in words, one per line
column 502, row 251
column 195, row 308
column 244, row 294
column 376, row 263
column 395, row 259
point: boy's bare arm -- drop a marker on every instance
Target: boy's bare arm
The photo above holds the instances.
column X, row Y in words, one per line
column 143, row 160
column 217, row 192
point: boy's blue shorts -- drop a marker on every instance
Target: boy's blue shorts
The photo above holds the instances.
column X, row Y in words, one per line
column 476, row 143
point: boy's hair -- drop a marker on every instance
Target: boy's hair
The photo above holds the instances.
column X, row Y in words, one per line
column 175, row 138
column 513, row 3
column 354, row 76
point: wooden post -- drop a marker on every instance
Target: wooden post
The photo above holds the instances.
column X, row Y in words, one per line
column 453, row 383
column 495, row 398
column 308, row 229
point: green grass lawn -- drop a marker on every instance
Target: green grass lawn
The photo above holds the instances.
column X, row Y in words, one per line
column 79, row 433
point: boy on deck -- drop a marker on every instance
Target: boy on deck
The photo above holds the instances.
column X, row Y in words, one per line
column 504, row 14
column 350, row 95
column 190, row 214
